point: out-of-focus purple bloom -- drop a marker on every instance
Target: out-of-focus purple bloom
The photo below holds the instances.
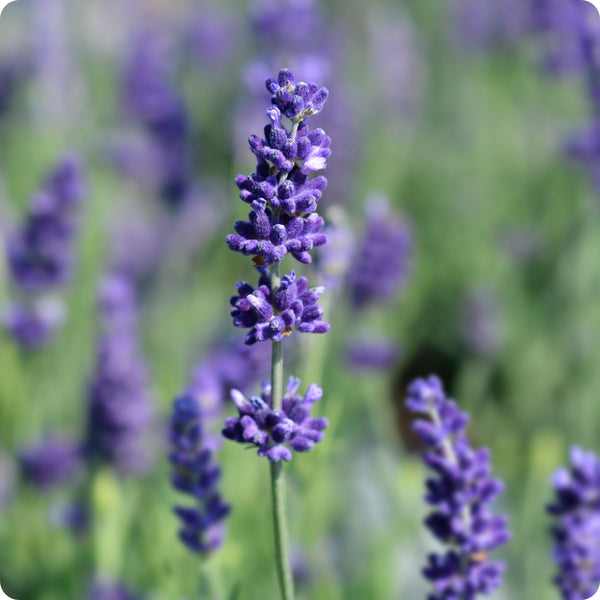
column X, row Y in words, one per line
column 35, row 323
column 110, row 591
column 53, row 461
column 576, row 532
column 370, row 354
column 40, row 255
column 381, row 265
column 273, row 316
column 213, row 37
column 150, row 98
column 460, row 493
column 481, row 324
column 119, row 400
column 196, row 473
column 396, row 60
column 277, row 432
column 481, row 24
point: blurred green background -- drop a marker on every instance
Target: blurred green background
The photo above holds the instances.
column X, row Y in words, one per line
column 464, row 138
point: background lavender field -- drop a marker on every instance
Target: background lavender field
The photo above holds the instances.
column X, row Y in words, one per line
column 446, row 114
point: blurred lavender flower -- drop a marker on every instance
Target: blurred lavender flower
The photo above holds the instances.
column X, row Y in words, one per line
column 213, row 37
column 382, row 262
column 52, row 462
column 371, row 354
column 40, row 255
column 277, row 432
column 196, row 473
column 396, row 60
column 576, row 531
column 481, row 24
column 119, row 401
column 460, row 493
column 149, row 96
column 110, row 591
column 481, row 326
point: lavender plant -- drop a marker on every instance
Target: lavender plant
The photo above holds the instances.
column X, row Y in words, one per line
column 40, row 256
column 119, row 407
column 460, row 493
column 196, row 473
column 576, row 530
column 283, row 220
column 51, row 462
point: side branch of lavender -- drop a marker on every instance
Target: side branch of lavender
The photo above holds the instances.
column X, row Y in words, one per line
column 460, row 493
column 283, row 220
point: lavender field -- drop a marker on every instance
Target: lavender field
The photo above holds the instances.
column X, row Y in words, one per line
column 299, row 299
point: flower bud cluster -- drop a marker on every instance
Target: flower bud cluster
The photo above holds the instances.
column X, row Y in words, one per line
column 277, row 432
column 273, row 315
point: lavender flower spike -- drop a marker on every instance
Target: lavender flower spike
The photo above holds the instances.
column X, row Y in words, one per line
column 196, row 473
column 277, row 432
column 576, row 532
column 119, row 401
column 281, row 192
column 460, row 493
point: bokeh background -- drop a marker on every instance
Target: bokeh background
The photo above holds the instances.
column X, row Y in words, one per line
column 443, row 113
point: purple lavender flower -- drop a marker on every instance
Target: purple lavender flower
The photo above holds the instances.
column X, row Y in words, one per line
column 150, row 98
column 196, row 473
column 273, row 316
column 40, row 255
column 371, row 354
column 277, row 432
column 52, row 462
column 281, row 193
column 119, row 401
column 576, row 532
column 381, row 265
column 461, row 493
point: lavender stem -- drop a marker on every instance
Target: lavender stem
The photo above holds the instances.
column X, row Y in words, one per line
column 278, row 492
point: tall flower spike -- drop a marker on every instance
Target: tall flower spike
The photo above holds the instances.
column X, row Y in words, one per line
column 576, row 531
column 382, row 262
column 196, row 473
column 460, row 493
column 277, row 432
column 119, row 402
column 40, row 256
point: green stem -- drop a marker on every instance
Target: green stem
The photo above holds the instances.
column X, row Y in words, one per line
column 282, row 558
